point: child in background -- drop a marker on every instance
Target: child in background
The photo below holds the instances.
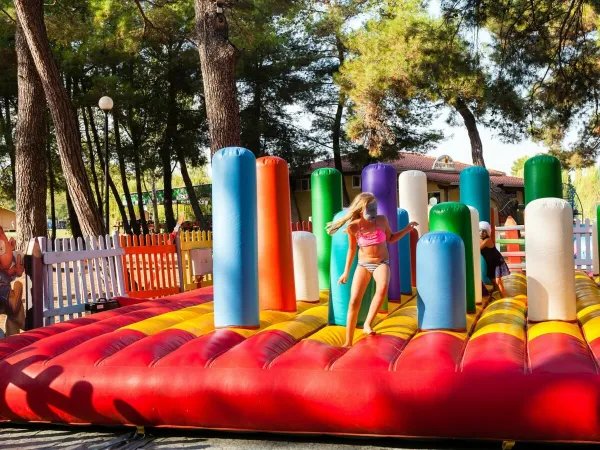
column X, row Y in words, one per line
column 496, row 266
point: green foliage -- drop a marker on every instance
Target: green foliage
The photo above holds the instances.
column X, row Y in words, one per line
column 518, row 166
column 549, row 50
column 585, row 182
column 409, row 66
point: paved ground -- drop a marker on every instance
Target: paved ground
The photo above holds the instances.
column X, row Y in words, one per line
column 93, row 438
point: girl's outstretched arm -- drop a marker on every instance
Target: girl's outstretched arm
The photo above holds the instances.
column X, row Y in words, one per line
column 352, row 247
column 395, row 237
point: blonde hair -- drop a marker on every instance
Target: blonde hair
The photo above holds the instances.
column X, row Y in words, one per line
column 353, row 212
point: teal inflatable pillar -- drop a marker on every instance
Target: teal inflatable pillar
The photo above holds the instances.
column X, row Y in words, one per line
column 326, row 200
column 404, row 254
column 475, row 191
column 339, row 295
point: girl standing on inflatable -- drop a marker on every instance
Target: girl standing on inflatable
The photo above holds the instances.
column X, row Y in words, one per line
column 370, row 233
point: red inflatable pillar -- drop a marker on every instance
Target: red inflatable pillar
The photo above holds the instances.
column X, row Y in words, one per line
column 414, row 237
column 276, row 289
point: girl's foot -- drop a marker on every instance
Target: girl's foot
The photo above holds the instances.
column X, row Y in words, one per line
column 368, row 330
column 347, row 344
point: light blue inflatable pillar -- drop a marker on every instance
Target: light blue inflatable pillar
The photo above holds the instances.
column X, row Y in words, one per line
column 235, row 251
column 475, row 191
column 441, row 282
column 339, row 294
column 404, row 254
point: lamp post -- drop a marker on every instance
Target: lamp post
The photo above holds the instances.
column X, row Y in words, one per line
column 106, row 104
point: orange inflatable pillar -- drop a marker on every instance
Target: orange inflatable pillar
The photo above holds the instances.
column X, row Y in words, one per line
column 512, row 234
column 414, row 237
column 276, row 289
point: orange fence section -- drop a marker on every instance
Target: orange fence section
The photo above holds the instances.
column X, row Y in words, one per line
column 150, row 265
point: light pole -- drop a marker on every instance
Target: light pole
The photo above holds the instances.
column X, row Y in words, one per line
column 106, row 104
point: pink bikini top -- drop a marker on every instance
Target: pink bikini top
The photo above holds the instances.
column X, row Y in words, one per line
column 373, row 238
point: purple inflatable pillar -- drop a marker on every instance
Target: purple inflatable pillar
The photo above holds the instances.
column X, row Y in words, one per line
column 380, row 180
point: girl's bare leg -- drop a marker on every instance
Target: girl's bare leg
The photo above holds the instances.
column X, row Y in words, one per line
column 382, row 282
column 501, row 287
column 359, row 286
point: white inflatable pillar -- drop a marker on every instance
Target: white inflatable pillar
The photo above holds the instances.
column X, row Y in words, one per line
column 476, row 255
column 549, row 256
column 306, row 270
column 412, row 191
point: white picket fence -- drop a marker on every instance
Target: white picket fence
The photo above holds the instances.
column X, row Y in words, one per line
column 585, row 242
column 76, row 272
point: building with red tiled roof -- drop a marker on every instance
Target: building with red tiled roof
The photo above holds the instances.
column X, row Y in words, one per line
column 442, row 176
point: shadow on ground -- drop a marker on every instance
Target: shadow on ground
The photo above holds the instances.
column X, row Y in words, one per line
column 37, row 437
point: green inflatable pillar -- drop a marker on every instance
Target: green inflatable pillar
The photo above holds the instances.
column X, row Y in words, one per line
column 543, row 178
column 326, row 199
column 455, row 217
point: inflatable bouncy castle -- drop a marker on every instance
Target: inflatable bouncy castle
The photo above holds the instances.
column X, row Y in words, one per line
column 262, row 349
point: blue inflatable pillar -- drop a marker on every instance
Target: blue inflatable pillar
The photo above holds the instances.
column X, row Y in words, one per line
column 235, row 248
column 441, row 282
column 404, row 254
column 339, row 294
column 380, row 180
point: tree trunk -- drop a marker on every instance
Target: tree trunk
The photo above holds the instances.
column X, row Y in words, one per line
column 337, row 125
column 30, row 15
column 165, row 152
column 133, row 223
column 30, row 154
column 6, row 123
column 506, row 205
column 217, row 61
column 115, row 192
column 138, row 186
column 88, row 140
column 73, row 220
column 51, row 181
column 191, row 193
column 155, row 206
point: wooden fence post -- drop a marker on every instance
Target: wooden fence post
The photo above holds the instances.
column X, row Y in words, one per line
column 180, row 262
column 34, row 292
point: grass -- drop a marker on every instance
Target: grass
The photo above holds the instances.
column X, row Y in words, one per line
column 59, row 234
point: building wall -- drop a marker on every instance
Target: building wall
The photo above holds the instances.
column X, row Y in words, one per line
column 301, row 203
column 8, row 219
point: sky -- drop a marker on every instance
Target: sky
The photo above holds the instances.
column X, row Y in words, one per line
column 497, row 155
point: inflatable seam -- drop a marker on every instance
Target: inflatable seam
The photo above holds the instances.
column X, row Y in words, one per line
column 269, row 364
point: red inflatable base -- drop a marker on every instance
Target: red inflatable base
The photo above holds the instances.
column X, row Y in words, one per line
column 161, row 363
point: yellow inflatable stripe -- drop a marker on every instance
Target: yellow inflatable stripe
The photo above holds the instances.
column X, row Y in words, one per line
column 512, row 312
column 586, row 313
column 304, row 323
column 397, row 326
column 199, row 326
column 334, row 335
column 512, row 329
column 462, row 336
column 592, row 329
column 158, row 323
column 506, row 304
column 539, row 329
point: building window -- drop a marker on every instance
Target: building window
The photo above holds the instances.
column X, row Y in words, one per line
column 356, row 182
column 303, row 185
column 435, row 194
